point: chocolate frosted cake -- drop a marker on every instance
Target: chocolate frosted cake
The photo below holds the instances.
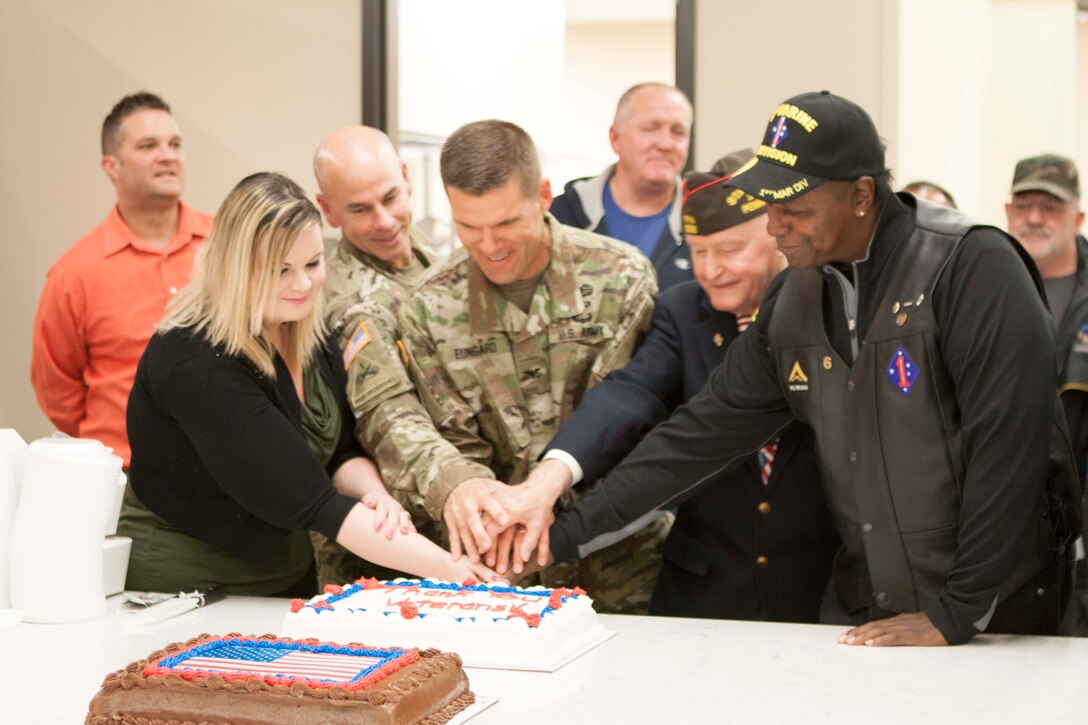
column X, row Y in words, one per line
column 240, row 680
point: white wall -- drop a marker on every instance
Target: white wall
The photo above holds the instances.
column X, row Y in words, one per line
column 602, row 61
column 627, row 11
column 1081, row 115
column 751, row 56
column 941, row 115
column 478, row 59
column 558, row 77
column 959, row 90
column 1032, row 91
column 254, row 84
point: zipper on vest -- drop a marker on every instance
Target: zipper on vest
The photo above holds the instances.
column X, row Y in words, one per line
column 850, row 305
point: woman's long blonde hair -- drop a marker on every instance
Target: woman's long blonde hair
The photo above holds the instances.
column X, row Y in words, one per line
column 238, row 270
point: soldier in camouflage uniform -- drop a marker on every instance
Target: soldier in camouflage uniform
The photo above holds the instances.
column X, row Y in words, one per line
column 505, row 338
column 365, row 192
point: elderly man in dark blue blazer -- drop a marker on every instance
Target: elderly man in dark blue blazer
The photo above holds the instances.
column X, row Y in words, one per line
column 758, row 542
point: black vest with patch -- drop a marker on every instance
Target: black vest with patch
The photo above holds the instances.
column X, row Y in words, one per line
column 888, row 430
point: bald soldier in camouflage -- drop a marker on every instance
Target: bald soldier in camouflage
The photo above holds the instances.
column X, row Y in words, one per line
column 365, row 192
column 506, row 337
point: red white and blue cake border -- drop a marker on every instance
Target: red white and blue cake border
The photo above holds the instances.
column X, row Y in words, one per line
column 390, row 659
column 335, row 593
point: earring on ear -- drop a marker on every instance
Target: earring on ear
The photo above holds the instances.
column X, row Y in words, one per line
column 861, row 212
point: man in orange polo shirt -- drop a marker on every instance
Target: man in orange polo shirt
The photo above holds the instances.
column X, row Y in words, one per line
column 105, row 296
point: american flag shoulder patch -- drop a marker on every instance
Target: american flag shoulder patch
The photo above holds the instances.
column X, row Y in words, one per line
column 359, row 339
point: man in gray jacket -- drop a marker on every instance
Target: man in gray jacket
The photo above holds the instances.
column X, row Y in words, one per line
column 637, row 199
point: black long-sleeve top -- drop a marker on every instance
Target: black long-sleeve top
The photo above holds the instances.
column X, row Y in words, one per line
column 218, row 448
column 997, row 341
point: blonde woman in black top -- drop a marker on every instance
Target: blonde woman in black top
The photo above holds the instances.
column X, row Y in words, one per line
column 240, row 431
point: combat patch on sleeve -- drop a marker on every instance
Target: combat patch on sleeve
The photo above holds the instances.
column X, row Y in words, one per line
column 370, row 382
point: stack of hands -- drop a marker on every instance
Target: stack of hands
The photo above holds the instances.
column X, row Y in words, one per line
column 506, row 527
column 388, row 514
column 502, row 526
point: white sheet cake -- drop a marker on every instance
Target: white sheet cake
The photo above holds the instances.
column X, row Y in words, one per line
column 489, row 626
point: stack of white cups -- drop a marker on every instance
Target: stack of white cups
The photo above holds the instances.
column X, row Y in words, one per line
column 69, row 500
column 12, row 463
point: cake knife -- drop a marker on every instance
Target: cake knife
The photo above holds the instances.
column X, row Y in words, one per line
column 177, row 604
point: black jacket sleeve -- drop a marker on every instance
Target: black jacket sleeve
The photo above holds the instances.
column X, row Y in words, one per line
column 615, row 414
column 723, row 422
column 997, row 342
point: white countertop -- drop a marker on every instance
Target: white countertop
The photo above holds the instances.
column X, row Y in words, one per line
column 654, row 670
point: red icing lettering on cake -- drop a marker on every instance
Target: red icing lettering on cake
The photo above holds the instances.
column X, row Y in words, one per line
column 527, row 599
column 533, row 620
column 413, row 601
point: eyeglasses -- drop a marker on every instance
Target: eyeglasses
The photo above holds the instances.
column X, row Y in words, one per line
column 1045, row 206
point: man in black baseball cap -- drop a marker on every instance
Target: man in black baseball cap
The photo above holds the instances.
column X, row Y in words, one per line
column 812, row 138
column 819, row 142
column 916, row 344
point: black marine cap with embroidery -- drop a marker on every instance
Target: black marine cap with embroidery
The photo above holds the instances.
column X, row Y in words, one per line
column 811, row 138
column 710, row 205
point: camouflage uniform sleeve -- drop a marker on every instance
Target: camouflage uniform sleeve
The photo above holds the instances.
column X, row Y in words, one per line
column 635, row 317
column 465, row 454
column 381, row 393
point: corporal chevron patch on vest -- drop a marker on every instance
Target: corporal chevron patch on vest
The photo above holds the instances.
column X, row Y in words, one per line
column 797, row 381
column 902, row 371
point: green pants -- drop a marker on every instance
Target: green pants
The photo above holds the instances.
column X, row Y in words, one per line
column 166, row 559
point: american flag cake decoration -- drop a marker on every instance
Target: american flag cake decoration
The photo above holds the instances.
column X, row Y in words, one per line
column 278, row 662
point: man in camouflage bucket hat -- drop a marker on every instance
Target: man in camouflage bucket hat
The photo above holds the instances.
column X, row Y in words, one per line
column 506, row 337
column 366, row 193
column 1044, row 215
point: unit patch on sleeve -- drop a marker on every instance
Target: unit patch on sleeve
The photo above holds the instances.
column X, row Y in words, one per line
column 902, row 371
